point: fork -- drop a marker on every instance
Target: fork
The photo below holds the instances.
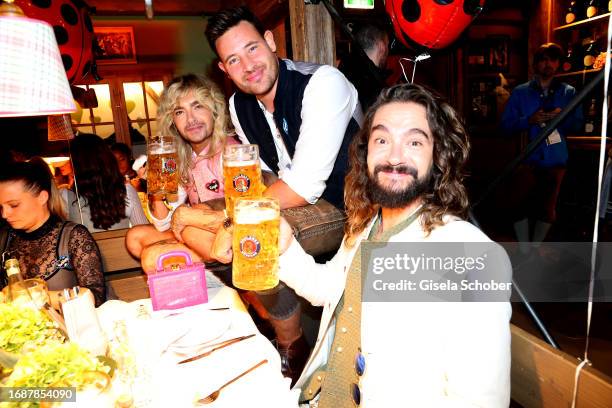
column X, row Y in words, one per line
column 215, row 394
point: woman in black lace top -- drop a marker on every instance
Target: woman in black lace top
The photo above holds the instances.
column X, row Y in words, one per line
column 31, row 205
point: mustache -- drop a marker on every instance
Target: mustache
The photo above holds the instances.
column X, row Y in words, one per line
column 403, row 169
column 253, row 69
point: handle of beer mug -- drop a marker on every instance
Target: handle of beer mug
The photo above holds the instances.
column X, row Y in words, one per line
column 163, row 257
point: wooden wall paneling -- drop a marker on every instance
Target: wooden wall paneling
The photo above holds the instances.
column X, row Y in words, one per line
column 280, row 38
column 540, row 31
column 312, row 33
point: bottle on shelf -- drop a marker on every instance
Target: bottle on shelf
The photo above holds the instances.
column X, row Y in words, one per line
column 591, row 118
column 574, row 11
column 570, row 62
column 13, row 276
column 590, row 52
column 592, row 8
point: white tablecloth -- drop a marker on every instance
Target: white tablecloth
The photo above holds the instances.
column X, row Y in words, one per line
column 171, row 385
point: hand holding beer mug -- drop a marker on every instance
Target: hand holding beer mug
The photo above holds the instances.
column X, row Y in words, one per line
column 255, row 243
column 162, row 166
column 241, row 173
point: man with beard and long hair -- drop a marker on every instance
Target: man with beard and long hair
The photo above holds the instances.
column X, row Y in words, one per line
column 537, row 181
column 405, row 185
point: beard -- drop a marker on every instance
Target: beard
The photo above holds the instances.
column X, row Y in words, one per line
column 398, row 198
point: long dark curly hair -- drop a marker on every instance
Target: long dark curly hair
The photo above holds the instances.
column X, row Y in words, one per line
column 99, row 181
column 451, row 147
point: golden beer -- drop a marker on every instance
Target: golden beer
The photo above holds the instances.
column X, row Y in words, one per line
column 255, row 243
column 241, row 174
column 162, row 166
column 162, row 173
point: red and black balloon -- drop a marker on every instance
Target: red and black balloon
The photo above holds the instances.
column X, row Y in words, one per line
column 73, row 31
column 433, row 24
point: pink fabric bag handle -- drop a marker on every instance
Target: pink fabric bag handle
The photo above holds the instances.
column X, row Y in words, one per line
column 163, row 257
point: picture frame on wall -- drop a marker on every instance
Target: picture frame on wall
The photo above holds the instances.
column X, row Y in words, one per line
column 482, row 100
column 477, row 57
column 114, row 45
column 498, row 56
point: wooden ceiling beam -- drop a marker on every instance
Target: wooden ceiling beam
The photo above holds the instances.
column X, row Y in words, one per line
column 264, row 9
column 269, row 12
column 160, row 8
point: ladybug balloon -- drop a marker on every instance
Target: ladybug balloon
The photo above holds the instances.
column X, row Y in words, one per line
column 73, row 31
column 431, row 23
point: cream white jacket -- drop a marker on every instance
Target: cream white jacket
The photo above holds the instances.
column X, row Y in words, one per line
column 417, row 354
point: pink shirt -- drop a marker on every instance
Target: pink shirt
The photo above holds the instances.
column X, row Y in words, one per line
column 206, row 177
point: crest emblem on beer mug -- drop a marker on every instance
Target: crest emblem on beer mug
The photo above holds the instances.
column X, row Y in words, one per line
column 249, row 246
column 241, row 183
column 241, row 174
column 255, row 243
column 168, row 165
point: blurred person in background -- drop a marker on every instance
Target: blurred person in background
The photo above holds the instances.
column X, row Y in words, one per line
column 105, row 201
column 537, row 181
column 373, row 39
column 123, row 154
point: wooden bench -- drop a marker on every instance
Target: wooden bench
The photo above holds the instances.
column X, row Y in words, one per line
column 121, row 271
column 544, row 377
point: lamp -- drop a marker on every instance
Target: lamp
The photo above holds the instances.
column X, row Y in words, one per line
column 32, row 76
column 60, row 128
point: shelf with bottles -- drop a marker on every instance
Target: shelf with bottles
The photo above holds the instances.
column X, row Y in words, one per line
column 575, row 73
column 579, row 13
column 583, row 53
column 576, row 24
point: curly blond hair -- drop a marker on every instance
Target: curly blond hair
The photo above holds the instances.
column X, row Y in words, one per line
column 209, row 95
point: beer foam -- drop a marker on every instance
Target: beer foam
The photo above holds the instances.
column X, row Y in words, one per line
column 161, row 150
column 235, row 163
column 254, row 215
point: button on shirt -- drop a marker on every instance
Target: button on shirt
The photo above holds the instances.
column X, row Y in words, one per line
column 284, row 160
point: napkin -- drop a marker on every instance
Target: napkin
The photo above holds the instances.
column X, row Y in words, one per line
column 82, row 323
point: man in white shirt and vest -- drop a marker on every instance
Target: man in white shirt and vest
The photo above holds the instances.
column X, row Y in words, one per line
column 303, row 117
column 405, row 187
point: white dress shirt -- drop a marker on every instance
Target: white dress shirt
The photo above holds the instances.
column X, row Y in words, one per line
column 328, row 105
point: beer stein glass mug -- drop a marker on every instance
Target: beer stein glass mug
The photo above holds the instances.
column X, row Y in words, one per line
column 241, row 174
column 255, row 243
column 162, row 166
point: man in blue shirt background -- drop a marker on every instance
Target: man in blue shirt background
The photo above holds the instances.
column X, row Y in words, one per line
column 530, row 107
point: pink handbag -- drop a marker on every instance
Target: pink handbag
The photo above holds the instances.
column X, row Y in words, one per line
column 178, row 286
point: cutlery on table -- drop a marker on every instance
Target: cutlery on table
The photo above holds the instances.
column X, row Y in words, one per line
column 215, row 394
column 218, row 346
